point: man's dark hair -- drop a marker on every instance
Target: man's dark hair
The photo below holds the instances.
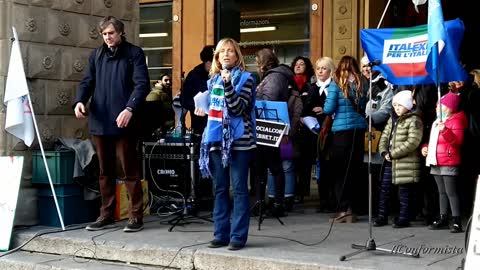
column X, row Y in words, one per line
column 163, row 75
column 206, row 55
column 117, row 24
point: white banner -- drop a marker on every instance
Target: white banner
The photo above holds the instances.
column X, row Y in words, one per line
column 19, row 120
column 418, row 3
column 11, row 168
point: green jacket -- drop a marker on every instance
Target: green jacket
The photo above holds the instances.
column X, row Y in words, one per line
column 404, row 149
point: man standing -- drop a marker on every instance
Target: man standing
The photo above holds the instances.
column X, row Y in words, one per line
column 117, row 82
column 195, row 82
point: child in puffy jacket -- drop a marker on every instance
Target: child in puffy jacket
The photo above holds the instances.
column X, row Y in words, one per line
column 399, row 146
column 443, row 157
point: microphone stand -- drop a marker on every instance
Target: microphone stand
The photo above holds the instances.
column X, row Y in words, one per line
column 189, row 209
column 370, row 245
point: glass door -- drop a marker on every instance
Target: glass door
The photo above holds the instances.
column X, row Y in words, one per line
column 156, row 37
column 283, row 26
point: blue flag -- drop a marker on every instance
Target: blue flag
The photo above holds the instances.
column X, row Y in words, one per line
column 442, row 60
column 403, row 53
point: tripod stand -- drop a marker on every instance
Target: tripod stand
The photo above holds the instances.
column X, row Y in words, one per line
column 182, row 218
column 260, row 203
column 261, row 213
column 189, row 209
column 370, row 244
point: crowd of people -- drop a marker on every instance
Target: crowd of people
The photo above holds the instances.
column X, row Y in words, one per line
column 423, row 147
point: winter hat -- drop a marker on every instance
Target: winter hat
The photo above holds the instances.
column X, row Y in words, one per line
column 404, row 98
column 364, row 61
column 451, row 100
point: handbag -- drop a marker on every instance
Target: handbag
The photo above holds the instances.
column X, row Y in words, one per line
column 286, row 150
column 324, row 139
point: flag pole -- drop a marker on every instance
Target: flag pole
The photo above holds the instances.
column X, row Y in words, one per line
column 45, row 163
column 435, row 60
column 383, row 15
column 43, row 156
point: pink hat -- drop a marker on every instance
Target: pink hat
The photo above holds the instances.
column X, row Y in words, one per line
column 451, row 100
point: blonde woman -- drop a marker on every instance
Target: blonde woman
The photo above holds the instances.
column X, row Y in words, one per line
column 346, row 99
column 227, row 143
column 313, row 106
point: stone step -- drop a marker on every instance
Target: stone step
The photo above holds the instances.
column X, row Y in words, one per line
column 156, row 248
column 298, row 244
column 24, row 260
column 109, row 245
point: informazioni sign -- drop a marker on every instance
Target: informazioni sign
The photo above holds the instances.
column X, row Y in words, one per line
column 270, row 133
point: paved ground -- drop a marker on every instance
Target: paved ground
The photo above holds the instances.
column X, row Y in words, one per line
column 306, row 241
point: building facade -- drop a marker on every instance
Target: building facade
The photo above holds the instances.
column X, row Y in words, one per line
column 57, row 36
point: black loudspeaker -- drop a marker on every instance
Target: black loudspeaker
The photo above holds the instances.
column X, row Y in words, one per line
column 227, row 20
column 174, row 167
column 168, row 167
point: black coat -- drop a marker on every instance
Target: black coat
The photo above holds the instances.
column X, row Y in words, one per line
column 195, row 82
column 113, row 81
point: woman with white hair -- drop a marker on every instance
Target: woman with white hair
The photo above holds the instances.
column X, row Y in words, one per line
column 313, row 106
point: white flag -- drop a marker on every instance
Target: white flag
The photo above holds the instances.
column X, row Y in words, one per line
column 19, row 120
column 418, row 3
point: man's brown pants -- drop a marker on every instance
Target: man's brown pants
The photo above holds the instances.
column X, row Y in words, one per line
column 108, row 149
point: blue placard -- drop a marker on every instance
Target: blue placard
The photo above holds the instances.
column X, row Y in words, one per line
column 276, row 111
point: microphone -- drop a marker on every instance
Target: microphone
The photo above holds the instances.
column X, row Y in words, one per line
column 226, row 67
column 374, row 63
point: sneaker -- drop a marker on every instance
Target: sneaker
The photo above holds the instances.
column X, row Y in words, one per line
column 100, row 224
column 134, row 225
column 289, row 201
column 441, row 223
column 217, row 243
column 278, row 211
column 235, row 246
column 299, row 200
column 400, row 223
column 380, row 221
column 456, row 225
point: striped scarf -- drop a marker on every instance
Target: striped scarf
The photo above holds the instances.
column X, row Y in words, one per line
column 218, row 112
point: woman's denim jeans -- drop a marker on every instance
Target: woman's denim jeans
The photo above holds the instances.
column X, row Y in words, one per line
column 289, row 170
column 234, row 230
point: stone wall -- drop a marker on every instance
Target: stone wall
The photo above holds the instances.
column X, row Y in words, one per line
column 56, row 38
column 342, row 20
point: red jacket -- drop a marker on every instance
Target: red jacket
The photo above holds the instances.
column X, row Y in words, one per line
column 450, row 140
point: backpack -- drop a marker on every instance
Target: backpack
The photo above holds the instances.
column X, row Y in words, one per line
column 295, row 105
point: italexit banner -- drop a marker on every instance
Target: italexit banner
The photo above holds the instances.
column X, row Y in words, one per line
column 403, row 53
column 11, row 168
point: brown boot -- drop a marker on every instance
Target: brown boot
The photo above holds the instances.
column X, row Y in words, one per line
column 344, row 217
